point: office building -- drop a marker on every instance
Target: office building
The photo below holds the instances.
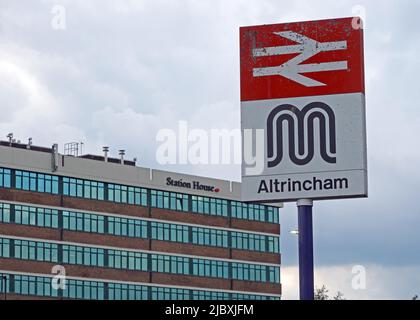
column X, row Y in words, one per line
column 120, row 231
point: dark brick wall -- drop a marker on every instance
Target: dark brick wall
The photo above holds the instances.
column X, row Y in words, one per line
column 75, row 270
column 104, row 206
column 30, row 197
column 181, row 280
column 256, row 286
column 29, row 231
column 190, row 217
column 256, row 256
column 11, row 296
column 185, row 248
column 255, row 226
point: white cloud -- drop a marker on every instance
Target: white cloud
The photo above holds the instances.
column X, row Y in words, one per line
column 382, row 282
column 123, row 70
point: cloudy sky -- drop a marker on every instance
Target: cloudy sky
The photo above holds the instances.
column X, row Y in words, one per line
column 121, row 70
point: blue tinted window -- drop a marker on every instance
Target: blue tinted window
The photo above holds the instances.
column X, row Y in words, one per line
column 212, row 206
column 169, row 200
column 4, row 248
column 169, row 232
column 99, row 290
column 86, row 222
column 75, row 187
column 5, row 178
column 4, row 212
column 32, row 181
column 126, row 194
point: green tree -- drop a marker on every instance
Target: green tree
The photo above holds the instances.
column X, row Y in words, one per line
column 322, row 294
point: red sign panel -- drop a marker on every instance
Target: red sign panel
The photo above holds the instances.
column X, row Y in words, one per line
column 301, row 59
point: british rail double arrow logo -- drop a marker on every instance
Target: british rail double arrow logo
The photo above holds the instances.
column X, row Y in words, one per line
column 293, row 68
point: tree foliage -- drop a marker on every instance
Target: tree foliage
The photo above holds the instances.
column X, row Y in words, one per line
column 322, row 294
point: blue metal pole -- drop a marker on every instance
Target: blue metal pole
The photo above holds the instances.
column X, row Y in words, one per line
column 306, row 250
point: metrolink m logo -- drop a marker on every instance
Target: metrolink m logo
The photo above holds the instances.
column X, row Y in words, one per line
column 301, row 130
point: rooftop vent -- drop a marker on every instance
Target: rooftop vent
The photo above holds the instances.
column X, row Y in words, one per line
column 105, row 150
column 11, row 139
column 28, row 146
column 121, row 153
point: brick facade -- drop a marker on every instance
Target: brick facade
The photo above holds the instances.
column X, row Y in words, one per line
column 62, row 202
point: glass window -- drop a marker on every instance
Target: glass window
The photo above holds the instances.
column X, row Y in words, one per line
column 212, row 206
column 31, row 250
column 170, row 264
column 47, row 183
column 130, row 260
column 69, row 187
column 25, row 285
column 169, row 200
column 122, row 291
column 83, row 289
column 273, row 214
column 4, row 248
column 161, row 293
column 83, row 188
column 25, row 249
column 209, row 237
column 127, row 227
column 253, row 211
column 273, row 244
column 84, row 222
column 35, row 216
column 170, row 232
column 161, row 263
column 83, row 255
column 127, row 194
column 210, row 268
column 5, row 212
column 33, row 181
column 98, row 290
column 210, row 295
column 5, row 178
column 249, row 241
column 47, row 251
column 5, row 282
column 180, row 265
column 75, row 187
column 274, row 274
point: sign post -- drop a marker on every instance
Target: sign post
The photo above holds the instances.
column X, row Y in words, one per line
column 303, row 119
column 306, row 250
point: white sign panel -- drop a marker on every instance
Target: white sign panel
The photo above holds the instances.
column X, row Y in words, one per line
column 302, row 87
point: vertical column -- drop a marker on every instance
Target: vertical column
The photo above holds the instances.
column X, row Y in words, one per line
column 306, row 252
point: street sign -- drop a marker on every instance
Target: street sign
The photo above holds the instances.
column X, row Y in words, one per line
column 302, row 86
